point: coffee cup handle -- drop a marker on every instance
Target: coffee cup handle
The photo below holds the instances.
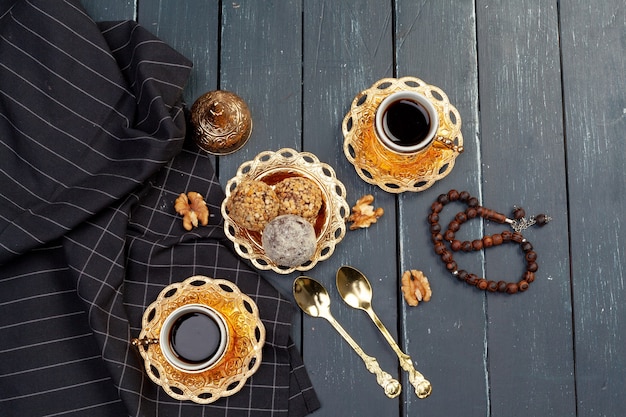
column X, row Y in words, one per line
column 145, row 341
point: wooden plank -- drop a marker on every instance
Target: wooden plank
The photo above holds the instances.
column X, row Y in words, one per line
column 192, row 28
column 594, row 64
column 529, row 344
column 261, row 61
column 436, row 41
column 347, row 47
column 100, row 10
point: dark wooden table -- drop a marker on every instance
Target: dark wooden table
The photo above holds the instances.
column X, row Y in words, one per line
column 541, row 90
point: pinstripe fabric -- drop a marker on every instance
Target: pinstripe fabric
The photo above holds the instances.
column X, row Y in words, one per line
column 93, row 156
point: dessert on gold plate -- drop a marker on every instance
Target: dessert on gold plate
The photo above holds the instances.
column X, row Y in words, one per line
column 299, row 196
column 289, row 240
column 239, row 356
column 253, row 205
column 383, row 165
column 306, row 188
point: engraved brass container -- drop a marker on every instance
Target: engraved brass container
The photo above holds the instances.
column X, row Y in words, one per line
column 221, row 122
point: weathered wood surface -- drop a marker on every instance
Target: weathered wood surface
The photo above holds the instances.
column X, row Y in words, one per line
column 447, row 336
column 593, row 39
column 346, row 48
column 540, row 88
column 529, row 345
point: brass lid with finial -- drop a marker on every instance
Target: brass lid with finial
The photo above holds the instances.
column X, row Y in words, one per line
column 221, row 122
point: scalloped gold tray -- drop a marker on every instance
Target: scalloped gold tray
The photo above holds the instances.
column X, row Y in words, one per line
column 272, row 167
column 243, row 352
column 391, row 171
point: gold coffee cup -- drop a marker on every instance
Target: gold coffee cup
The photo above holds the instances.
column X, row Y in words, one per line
column 193, row 338
column 406, row 122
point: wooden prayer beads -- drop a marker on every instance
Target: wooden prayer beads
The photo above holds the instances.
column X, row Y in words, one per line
column 474, row 209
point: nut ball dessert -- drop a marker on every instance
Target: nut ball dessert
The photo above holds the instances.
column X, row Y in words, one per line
column 252, row 205
column 289, row 240
column 299, row 196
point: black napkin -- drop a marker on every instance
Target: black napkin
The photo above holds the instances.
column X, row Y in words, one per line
column 93, row 155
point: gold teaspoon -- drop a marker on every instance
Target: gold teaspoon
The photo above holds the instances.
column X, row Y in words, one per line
column 357, row 292
column 314, row 300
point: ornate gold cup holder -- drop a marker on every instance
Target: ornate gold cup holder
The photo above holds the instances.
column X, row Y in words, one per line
column 391, row 171
column 272, row 167
column 243, row 352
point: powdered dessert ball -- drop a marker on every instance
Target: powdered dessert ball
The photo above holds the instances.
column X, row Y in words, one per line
column 289, row 240
column 252, row 205
column 299, row 196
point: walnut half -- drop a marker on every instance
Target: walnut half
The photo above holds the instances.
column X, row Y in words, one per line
column 415, row 287
column 193, row 208
column 363, row 213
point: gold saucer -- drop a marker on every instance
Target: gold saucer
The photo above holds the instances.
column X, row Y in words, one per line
column 272, row 167
column 243, row 352
column 391, row 171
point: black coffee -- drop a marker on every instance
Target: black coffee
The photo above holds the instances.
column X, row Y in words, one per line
column 406, row 122
column 195, row 337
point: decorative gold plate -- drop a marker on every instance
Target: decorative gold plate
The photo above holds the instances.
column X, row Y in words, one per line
column 271, row 168
column 391, row 171
column 243, row 352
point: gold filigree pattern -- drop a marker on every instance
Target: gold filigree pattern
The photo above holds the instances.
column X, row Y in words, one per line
column 243, row 353
column 391, row 171
column 271, row 168
column 221, row 122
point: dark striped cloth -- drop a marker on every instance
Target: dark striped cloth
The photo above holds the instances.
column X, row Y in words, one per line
column 92, row 157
